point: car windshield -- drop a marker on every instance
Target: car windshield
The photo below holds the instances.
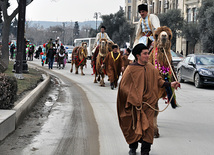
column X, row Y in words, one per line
column 79, row 42
column 205, row 60
column 175, row 54
column 69, row 51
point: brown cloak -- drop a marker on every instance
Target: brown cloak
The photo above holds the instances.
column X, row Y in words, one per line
column 113, row 66
column 138, row 84
column 125, row 61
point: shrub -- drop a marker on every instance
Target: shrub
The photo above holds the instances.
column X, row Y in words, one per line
column 8, row 91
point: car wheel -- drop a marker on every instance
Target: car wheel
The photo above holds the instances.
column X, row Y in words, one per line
column 197, row 81
column 179, row 77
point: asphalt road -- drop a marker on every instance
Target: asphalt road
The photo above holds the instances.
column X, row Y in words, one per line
column 187, row 130
column 63, row 124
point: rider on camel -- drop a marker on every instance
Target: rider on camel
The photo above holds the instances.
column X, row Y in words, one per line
column 100, row 35
column 147, row 24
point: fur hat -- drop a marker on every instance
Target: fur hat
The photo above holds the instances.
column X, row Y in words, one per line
column 138, row 49
column 128, row 50
column 114, row 46
column 142, row 7
column 103, row 27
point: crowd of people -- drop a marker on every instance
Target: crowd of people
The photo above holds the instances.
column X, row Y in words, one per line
column 48, row 53
column 54, row 51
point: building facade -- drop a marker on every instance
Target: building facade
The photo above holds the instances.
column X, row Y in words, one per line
column 188, row 9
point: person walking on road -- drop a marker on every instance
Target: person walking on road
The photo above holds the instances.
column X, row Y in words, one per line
column 138, row 88
column 113, row 65
column 125, row 59
column 61, row 57
column 50, row 55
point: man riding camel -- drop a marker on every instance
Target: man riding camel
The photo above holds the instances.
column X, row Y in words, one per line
column 101, row 35
column 147, row 24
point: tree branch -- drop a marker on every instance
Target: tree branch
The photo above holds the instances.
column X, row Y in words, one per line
column 15, row 12
column 4, row 9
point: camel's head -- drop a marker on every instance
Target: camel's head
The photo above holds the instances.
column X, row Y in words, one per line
column 109, row 44
column 103, row 43
column 163, row 37
column 103, row 47
column 84, row 45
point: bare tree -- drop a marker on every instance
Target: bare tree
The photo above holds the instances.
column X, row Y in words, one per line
column 6, row 30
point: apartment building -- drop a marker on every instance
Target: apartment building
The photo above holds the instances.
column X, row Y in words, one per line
column 188, row 9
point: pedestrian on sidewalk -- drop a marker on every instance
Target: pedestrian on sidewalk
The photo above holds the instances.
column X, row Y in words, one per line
column 50, row 55
column 12, row 49
column 139, row 84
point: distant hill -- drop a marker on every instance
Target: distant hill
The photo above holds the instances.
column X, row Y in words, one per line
column 47, row 24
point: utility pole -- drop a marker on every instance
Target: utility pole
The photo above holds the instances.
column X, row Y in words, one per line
column 63, row 28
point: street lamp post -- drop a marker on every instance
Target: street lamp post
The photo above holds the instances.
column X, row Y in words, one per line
column 20, row 39
column 55, row 33
column 96, row 16
column 86, row 31
column 20, row 65
column 64, row 31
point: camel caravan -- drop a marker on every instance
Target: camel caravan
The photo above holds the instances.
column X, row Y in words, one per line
column 158, row 57
column 99, row 64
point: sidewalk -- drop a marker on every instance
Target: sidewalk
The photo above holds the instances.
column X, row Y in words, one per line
column 10, row 119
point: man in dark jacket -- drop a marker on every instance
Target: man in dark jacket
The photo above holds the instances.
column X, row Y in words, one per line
column 50, row 55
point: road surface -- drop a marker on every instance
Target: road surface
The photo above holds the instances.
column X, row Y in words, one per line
column 188, row 130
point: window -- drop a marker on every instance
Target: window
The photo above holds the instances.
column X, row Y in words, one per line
column 194, row 13
column 188, row 15
column 129, row 12
column 176, row 4
column 160, row 6
column 153, row 7
column 129, row 1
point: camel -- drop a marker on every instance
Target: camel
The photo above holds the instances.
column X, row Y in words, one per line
column 99, row 70
column 163, row 36
column 79, row 56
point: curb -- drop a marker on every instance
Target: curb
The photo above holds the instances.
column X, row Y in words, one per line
column 10, row 119
column 25, row 105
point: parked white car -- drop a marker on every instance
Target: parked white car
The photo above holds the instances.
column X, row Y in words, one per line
column 69, row 52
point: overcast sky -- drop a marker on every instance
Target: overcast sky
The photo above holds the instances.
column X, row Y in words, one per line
column 69, row 10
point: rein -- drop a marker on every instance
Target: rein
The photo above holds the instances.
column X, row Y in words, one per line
column 140, row 108
column 173, row 90
column 81, row 61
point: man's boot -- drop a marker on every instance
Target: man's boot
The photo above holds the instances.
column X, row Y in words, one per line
column 133, row 148
column 145, row 148
column 112, row 85
column 132, row 151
